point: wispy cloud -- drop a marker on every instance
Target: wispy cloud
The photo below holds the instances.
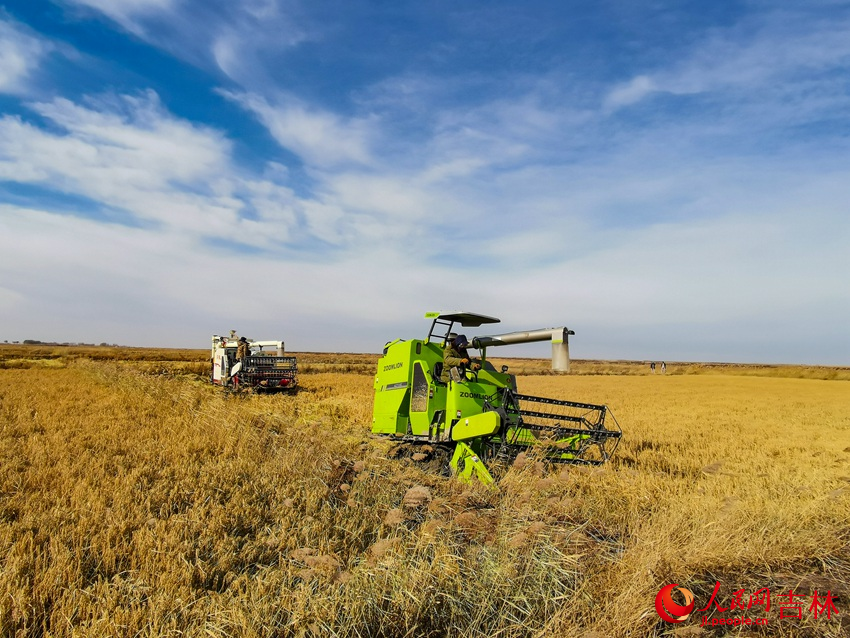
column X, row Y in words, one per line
column 239, row 39
column 129, row 154
column 21, row 53
column 632, row 91
column 130, row 14
column 771, row 52
column 319, row 137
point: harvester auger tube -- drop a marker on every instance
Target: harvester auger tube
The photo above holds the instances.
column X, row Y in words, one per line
column 478, row 419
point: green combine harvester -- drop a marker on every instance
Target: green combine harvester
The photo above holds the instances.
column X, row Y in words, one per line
column 476, row 421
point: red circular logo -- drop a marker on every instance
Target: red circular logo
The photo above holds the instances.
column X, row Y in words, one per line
column 670, row 610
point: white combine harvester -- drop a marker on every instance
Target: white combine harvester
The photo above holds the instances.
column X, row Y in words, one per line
column 264, row 369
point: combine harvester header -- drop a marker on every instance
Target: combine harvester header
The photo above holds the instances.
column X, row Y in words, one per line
column 475, row 418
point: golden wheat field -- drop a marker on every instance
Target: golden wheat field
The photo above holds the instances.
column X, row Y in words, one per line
column 138, row 500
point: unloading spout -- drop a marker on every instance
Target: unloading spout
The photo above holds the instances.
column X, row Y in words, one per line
column 558, row 336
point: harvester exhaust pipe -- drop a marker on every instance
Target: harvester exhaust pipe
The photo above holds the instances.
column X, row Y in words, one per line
column 558, row 336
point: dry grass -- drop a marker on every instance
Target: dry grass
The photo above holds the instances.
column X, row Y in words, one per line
column 136, row 500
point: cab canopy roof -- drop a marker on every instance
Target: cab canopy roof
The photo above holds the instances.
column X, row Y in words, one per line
column 466, row 319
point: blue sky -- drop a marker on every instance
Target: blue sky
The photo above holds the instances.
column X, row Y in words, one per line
column 671, row 180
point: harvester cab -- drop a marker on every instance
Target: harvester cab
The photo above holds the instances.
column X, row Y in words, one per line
column 475, row 419
column 262, row 366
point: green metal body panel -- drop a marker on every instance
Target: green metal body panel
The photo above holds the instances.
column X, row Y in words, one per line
column 392, row 389
column 467, row 398
column 398, row 409
column 473, row 427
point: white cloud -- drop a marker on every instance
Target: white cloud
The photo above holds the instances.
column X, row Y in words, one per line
column 772, row 52
column 319, row 137
column 128, row 154
column 130, row 160
column 20, row 55
column 385, row 194
column 137, row 136
column 136, row 162
column 237, row 38
column 630, row 92
column 128, row 13
column 244, row 38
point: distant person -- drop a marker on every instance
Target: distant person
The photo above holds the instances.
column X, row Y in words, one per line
column 652, row 367
column 663, row 367
column 455, row 355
